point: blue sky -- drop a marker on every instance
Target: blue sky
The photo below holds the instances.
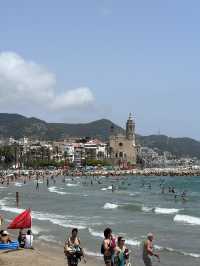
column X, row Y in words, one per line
column 76, row 61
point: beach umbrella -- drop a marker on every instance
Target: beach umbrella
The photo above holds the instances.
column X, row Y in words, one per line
column 21, row 221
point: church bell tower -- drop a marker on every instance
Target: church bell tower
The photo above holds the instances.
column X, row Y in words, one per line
column 130, row 128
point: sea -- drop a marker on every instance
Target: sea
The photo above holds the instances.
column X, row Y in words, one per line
column 135, row 207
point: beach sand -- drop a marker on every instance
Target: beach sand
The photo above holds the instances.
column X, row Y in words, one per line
column 39, row 257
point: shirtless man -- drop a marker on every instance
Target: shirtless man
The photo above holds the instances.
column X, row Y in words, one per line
column 108, row 247
column 148, row 250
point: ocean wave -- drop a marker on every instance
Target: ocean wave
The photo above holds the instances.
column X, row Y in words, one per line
column 56, row 190
column 192, row 220
column 166, row 210
column 108, row 206
column 194, row 255
column 95, row 233
column 133, row 194
column 106, row 188
column 18, row 184
column 133, row 242
column 72, row 185
column 147, row 209
column 61, row 220
column 159, row 210
column 130, row 242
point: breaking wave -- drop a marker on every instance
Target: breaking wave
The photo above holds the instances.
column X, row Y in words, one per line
column 159, row 210
column 108, row 206
column 57, row 190
column 72, row 185
column 187, row 219
column 106, row 188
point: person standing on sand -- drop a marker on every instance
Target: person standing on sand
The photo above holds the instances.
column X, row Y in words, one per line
column 121, row 253
column 73, row 250
column 108, row 247
column 148, row 251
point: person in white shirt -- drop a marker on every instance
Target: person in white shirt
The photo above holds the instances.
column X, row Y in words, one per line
column 29, row 239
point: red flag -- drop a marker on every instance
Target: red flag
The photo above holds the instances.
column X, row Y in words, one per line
column 23, row 220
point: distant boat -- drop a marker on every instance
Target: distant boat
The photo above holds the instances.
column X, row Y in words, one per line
column 21, row 221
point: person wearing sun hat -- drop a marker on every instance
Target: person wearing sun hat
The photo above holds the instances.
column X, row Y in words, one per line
column 5, row 237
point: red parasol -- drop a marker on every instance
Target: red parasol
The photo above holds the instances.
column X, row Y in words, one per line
column 23, row 220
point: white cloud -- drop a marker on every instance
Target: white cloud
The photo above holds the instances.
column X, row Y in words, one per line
column 27, row 83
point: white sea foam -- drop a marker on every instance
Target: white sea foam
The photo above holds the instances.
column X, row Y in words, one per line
column 72, row 185
column 18, row 184
column 2, row 187
column 159, row 210
column 95, row 233
column 166, row 210
column 194, row 255
column 110, row 206
column 187, row 219
column 147, row 209
column 133, row 194
column 56, row 190
column 57, row 219
column 133, row 242
column 106, row 188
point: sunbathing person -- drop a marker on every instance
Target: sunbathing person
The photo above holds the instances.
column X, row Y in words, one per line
column 5, row 237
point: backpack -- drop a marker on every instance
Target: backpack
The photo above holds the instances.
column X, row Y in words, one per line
column 102, row 249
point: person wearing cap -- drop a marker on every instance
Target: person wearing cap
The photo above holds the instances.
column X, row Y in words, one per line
column 148, row 251
column 5, row 237
column 121, row 252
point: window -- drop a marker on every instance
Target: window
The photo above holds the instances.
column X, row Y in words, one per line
column 120, row 144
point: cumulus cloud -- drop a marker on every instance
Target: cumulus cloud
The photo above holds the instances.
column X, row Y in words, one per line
column 25, row 82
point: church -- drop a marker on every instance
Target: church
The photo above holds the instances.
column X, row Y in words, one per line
column 122, row 146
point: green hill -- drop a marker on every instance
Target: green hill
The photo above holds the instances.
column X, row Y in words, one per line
column 18, row 126
column 178, row 146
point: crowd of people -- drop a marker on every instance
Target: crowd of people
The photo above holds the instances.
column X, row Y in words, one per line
column 25, row 239
column 113, row 250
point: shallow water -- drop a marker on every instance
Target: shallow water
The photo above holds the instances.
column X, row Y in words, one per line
column 132, row 210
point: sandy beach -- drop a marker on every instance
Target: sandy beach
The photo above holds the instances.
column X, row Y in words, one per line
column 38, row 257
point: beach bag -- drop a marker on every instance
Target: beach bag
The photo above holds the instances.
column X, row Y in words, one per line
column 102, row 249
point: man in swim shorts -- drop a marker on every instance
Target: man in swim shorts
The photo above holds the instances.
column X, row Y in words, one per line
column 148, row 250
